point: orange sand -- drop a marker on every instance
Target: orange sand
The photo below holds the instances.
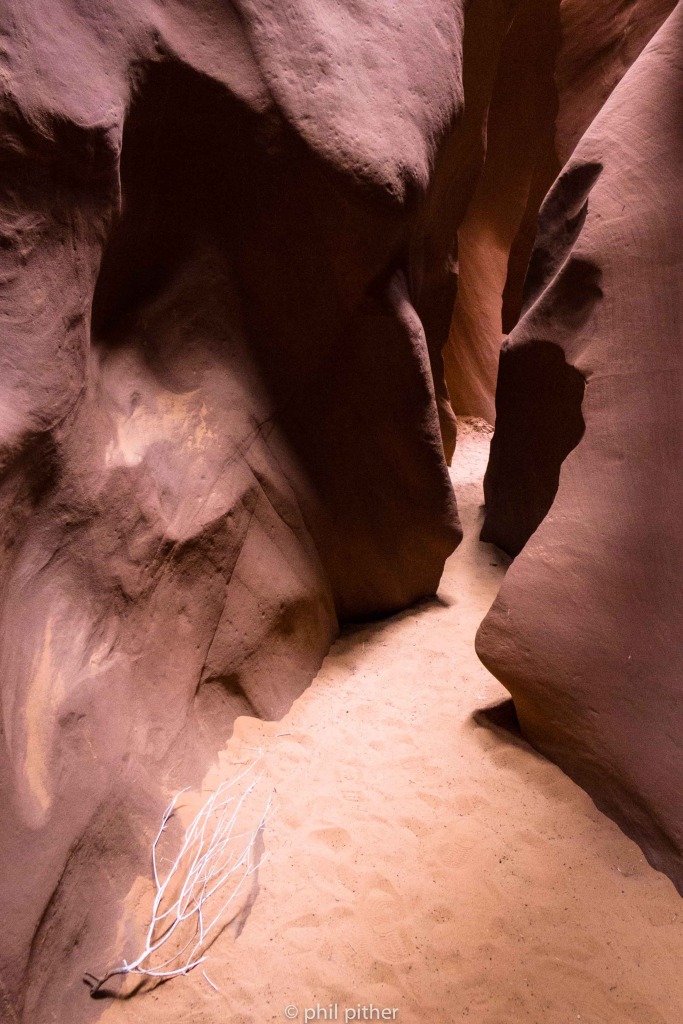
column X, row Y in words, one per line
column 425, row 861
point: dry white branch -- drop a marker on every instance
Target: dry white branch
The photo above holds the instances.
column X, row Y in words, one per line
column 192, row 896
column 214, row 987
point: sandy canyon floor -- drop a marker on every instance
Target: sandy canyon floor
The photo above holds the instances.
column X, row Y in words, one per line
column 423, row 859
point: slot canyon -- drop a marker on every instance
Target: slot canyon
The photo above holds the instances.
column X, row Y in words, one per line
column 341, row 559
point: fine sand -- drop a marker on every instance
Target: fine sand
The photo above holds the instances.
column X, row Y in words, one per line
column 423, row 860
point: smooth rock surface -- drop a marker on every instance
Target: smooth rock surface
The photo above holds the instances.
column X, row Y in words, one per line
column 218, row 432
column 585, row 632
column 559, row 62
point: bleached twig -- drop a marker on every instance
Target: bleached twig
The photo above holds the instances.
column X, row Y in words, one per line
column 214, row 987
column 206, row 866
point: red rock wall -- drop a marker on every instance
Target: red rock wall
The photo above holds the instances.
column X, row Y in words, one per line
column 559, row 63
column 585, row 630
column 219, row 431
column 228, row 237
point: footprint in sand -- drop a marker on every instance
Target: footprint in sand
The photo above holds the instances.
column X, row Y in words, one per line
column 384, row 936
column 353, row 784
column 334, row 838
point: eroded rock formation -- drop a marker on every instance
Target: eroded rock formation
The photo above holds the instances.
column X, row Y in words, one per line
column 585, row 630
column 559, row 63
column 228, row 238
column 219, row 428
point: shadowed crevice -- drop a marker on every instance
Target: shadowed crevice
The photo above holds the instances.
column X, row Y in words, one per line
column 539, row 422
column 560, row 223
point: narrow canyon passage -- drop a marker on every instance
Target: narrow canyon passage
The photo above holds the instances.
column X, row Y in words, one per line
column 424, row 859
column 264, row 264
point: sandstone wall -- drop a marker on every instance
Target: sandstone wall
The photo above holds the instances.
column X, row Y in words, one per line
column 585, row 630
column 219, row 432
column 559, row 63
